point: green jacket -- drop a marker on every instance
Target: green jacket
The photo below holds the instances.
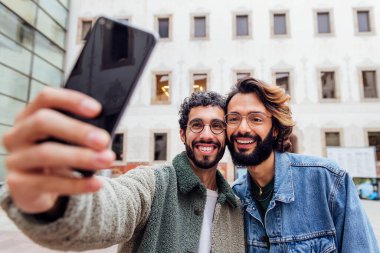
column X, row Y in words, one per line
column 145, row 210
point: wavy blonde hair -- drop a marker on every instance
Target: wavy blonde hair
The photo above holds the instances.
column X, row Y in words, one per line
column 276, row 101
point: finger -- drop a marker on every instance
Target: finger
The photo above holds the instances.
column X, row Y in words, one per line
column 62, row 99
column 50, row 123
column 55, row 155
column 33, row 184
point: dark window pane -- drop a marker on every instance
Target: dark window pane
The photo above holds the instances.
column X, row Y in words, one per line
column 282, row 80
column 369, row 84
column 160, row 144
column 200, row 82
column 86, row 27
column 163, row 27
column 332, row 139
column 279, row 24
column 199, row 27
column 324, row 22
column 328, row 84
column 374, row 140
column 363, row 21
column 117, row 146
column 242, row 25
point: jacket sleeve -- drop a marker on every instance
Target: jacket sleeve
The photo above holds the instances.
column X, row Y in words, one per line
column 113, row 215
column 354, row 231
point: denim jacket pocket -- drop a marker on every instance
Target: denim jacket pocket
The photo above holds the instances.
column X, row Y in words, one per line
column 325, row 244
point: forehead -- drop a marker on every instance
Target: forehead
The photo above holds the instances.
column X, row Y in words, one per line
column 246, row 103
column 206, row 113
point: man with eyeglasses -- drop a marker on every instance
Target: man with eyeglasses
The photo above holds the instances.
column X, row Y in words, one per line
column 291, row 202
column 186, row 206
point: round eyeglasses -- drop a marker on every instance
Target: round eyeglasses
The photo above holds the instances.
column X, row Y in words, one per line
column 253, row 119
column 216, row 126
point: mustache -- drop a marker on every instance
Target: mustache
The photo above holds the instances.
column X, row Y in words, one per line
column 255, row 137
column 217, row 144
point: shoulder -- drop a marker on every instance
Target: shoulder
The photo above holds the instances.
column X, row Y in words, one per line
column 310, row 162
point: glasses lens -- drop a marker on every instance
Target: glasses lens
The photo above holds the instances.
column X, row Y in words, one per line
column 217, row 126
column 196, row 126
column 233, row 119
column 255, row 119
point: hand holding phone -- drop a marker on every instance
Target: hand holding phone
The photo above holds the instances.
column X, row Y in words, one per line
column 108, row 69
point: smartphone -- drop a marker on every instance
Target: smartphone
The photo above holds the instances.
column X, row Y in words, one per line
column 108, row 69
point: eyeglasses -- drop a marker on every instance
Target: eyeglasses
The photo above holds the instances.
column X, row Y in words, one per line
column 216, row 126
column 253, row 119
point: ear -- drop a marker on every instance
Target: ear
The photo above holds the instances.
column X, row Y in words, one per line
column 182, row 135
column 275, row 132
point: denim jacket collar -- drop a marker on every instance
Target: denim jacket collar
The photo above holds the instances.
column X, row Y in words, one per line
column 283, row 181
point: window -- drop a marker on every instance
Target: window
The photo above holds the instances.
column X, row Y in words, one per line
column 369, row 84
column 283, row 80
column 328, row 84
column 83, row 28
column 160, row 146
column 13, row 83
column 374, row 140
column 161, row 89
column 280, row 24
column 242, row 25
column 332, row 139
column 118, row 146
column 199, row 82
column 323, row 21
column 164, row 27
column 363, row 21
column 50, row 28
column 199, row 27
column 242, row 75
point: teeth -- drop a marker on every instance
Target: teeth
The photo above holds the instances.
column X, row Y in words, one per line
column 244, row 142
column 205, row 149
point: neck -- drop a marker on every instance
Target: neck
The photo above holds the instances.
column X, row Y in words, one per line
column 206, row 176
column 263, row 173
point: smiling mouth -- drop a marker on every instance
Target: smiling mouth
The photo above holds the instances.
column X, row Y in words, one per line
column 205, row 148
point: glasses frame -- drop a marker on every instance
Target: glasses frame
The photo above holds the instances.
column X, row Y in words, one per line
column 209, row 125
column 245, row 116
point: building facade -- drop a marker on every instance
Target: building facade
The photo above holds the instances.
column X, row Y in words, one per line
column 32, row 54
column 325, row 54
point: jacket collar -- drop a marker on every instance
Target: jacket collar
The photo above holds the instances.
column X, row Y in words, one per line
column 283, row 180
column 188, row 181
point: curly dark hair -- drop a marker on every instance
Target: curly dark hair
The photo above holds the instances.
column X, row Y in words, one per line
column 199, row 99
column 275, row 101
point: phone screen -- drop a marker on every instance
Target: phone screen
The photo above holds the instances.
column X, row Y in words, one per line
column 108, row 70
column 109, row 67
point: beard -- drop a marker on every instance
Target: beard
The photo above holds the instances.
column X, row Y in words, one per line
column 204, row 163
column 261, row 153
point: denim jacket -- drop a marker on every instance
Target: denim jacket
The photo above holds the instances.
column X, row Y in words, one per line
column 315, row 208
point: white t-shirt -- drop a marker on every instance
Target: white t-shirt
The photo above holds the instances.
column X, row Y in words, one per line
column 208, row 215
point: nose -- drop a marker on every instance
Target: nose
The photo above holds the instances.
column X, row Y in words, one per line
column 206, row 132
column 244, row 127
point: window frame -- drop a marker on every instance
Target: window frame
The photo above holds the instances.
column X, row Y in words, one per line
column 156, row 25
column 337, row 85
column 199, row 72
column 153, row 100
column 361, row 83
column 192, row 26
column 331, row 23
column 323, row 138
column 287, row 24
column 291, row 79
column 371, row 20
column 237, row 71
column 152, row 144
column 234, row 26
column 79, row 39
column 366, row 141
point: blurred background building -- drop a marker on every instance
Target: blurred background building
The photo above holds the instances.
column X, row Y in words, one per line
column 325, row 54
column 32, row 54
